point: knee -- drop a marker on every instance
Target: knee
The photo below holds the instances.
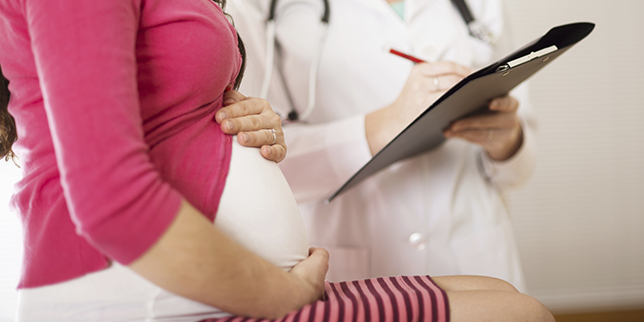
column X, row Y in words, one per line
column 473, row 283
column 501, row 285
column 536, row 310
column 494, row 284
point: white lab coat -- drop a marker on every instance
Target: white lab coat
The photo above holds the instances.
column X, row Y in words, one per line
column 440, row 213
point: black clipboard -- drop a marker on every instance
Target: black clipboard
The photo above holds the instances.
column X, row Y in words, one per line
column 470, row 95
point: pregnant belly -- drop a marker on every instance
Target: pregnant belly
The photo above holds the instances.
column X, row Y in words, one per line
column 257, row 209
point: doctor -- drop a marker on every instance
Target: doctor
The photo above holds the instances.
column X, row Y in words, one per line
column 439, row 213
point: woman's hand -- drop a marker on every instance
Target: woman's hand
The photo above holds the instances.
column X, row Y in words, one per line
column 426, row 83
column 255, row 124
column 497, row 130
column 312, row 271
column 196, row 260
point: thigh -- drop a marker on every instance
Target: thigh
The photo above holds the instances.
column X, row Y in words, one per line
column 498, row 306
column 401, row 298
column 471, row 283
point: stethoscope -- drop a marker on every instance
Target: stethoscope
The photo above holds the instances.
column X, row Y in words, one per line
column 475, row 28
column 313, row 69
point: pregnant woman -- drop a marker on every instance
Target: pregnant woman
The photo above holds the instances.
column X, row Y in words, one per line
column 125, row 172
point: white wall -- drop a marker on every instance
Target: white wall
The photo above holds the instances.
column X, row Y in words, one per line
column 579, row 222
column 10, row 243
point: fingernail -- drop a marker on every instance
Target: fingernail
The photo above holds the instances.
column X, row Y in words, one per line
column 228, row 88
column 245, row 137
column 222, row 115
column 270, row 151
column 229, row 125
column 229, row 101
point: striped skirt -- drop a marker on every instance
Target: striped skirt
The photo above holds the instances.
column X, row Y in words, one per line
column 400, row 298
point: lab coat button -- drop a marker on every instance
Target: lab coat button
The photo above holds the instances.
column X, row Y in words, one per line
column 417, row 241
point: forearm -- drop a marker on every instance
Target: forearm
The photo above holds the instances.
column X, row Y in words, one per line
column 382, row 126
column 196, row 260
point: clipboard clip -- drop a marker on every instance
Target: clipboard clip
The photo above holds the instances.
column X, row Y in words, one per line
column 522, row 60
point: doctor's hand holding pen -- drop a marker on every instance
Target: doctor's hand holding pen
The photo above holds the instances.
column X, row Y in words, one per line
column 497, row 130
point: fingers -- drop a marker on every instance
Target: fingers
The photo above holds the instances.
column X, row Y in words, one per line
column 231, row 97
column 443, row 68
column 272, row 146
column 319, row 251
column 255, row 124
column 439, row 76
column 313, row 269
column 245, row 107
column 319, row 258
column 486, row 121
column 483, row 137
column 499, row 143
column 504, row 104
column 270, row 136
column 276, row 152
column 499, row 132
column 248, row 124
column 444, row 82
column 315, row 265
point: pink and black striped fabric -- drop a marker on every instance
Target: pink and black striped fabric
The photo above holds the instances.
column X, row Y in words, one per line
column 400, row 298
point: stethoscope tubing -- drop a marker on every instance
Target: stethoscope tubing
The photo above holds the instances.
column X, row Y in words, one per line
column 477, row 30
column 313, row 68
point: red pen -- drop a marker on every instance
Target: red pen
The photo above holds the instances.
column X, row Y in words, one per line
column 403, row 55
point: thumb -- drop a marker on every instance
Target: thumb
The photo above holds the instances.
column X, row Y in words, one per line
column 313, row 269
column 233, row 96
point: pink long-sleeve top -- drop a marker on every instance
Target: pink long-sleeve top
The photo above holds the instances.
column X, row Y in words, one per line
column 114, row 104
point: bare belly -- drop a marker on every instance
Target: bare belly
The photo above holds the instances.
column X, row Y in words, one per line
column 257, row 209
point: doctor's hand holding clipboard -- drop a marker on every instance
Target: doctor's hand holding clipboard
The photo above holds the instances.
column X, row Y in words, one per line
column 497, row 130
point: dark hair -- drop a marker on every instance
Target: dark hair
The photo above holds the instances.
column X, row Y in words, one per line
column 8, row 134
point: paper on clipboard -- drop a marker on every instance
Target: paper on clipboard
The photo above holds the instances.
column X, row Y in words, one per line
column 469, row 96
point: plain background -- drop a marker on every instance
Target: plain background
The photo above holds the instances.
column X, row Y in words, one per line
column 579, row 221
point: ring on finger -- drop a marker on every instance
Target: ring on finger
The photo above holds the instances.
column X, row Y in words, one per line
column 274, row 136
column 490, row 135
column 437, row 85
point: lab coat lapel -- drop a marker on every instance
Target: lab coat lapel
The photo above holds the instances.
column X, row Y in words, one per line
column 414, row 7
column 380, row 6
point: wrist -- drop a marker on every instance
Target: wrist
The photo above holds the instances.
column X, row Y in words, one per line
column 382, row 126
column 290, row 294
column 508, row 150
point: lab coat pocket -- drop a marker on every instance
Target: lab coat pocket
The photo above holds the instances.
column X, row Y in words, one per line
column 347, row 263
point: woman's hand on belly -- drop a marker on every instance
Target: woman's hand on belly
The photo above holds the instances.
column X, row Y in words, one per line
column 313, row 269
column 196, row 260
column 255, row 124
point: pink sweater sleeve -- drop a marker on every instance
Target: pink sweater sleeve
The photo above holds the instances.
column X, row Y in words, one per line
column 85, row 56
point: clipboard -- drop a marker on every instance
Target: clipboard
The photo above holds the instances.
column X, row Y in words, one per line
column 469, row 96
